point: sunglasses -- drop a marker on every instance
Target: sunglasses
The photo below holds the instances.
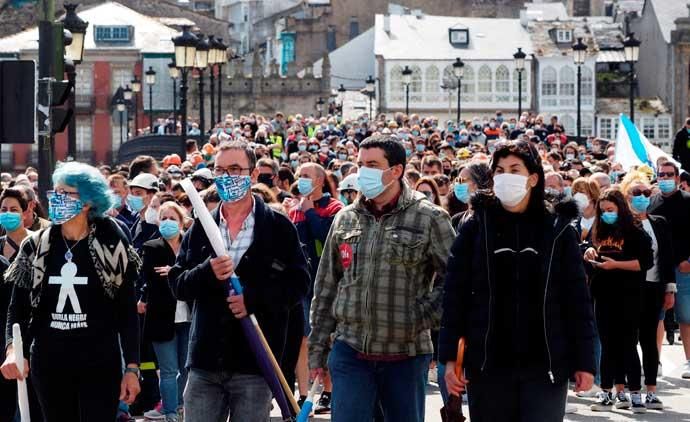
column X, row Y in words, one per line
column 638, row 192
column 666, row 174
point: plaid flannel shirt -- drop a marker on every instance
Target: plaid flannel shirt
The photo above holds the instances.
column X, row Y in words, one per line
column 237, row 248
column 375, row 286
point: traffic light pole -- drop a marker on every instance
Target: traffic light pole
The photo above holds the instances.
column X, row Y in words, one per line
column 72, row 128
column 46, row 54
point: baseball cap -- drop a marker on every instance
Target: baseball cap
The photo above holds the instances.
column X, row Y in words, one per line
column 203, row 173
column 145, row 181
column 349, row 183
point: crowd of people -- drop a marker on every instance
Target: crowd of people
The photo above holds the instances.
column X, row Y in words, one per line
column 366, row 249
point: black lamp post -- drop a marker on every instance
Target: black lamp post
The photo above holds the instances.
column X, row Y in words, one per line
column 136, row 88
column 341, row 91
column 201, row 63
column 519, row 58
column 458, row 71
column 407, row 80
column 212, row 54
column 370, row 87
column 185, row 55
column 150, row 81
column 579, row 56
column 127, row 95
column 631, row 48
column 222, row 59
column 174, row 73
column 74, row 52
column 319, row 106
column 120, row 103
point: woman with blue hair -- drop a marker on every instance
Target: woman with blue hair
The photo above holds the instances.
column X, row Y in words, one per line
column 73, row 295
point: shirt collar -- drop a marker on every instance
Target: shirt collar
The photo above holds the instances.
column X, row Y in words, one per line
column 249, row 217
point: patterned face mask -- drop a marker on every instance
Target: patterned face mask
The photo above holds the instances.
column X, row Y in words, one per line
column 62, row 207
column 233, row 188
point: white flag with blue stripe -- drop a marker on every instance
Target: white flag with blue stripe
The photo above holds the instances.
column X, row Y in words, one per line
column 634, row 149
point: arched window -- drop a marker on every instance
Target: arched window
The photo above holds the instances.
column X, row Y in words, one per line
column 396, row 87
column 549, row 87
column 502, row 84
column 587, row 86
column 432, row 84
column 484, row 85
column 566, row 86
column 525, row 85
column 468, row 84
column 587, row 128
column 568, row 124
column 416, row 84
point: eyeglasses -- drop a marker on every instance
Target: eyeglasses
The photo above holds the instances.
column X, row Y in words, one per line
column 74, row 194
column 666, row 174
column 230, row 171
column 638, row 192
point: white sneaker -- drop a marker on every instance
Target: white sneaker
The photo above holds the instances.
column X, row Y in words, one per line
column 686, row 371
column 590, row 394
column 433, row 376
column 154, row 415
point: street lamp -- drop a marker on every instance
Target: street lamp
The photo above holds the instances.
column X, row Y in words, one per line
column 212, row 57
column 127, row 95
column 221, row 59
column 342, row 91
column 458, row 71
column 121, row 108
column 370, row 87
column 136, row 88
column 519, row 58
column 631, row 48
column 579, row 57
column 319, row 106
column 407, row 80
column 74, row 52
column 174, row 73
column 185, row 55
column 202, row 49
column 150, row 81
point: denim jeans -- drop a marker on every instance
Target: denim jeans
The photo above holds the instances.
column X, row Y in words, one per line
column 171, row 362
column 212, row 396
column 399, row 386
column 441, row 375
column 597, row 358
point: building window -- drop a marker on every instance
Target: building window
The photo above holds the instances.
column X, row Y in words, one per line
column 468, row 84
column 587, row 125
column 605, row 124
column 459, row 36
column 568, row 124
column 330, row 38
column 549, row 85
column 648, row 124
column 663, row 128
column 564, row 36
column 354, row 27
column 416, row 84
column 85, row 138
column 502, row 84
column 484, row 85
column 113, row 34
column 396, row 88
column 587, row 86
column 566, row 87
column 84, row 80
column 432, row 84
column 120, row 77
column 525, row 85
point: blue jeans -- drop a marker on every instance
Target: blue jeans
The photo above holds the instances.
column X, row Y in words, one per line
column 212, row 396
column 171, row 362
column 400, row 386
column 682, row 306
column 441, row 375
column 597, row 357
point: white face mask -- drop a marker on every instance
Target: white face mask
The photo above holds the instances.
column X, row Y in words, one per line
column 582, row 201
column 510, row 189
column 151, row 216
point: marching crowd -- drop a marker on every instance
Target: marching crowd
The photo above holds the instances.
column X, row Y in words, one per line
column 366, row 249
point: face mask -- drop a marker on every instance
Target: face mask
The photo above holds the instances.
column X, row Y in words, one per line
column 667, row 185
column 169, row 229
column 553, row 193
column 408, row 152
column 342, row 157
column 420, row 147
column 582, row 201
column 266, row 179
column 294, row 163
column 640, row 203
column 511, row 126
column 313, row 148
column 568, row 191
column 510, row 189
column 463, row 137
column 151, row 216
column 233, row 188
column 136, row 203
column 305, row 186
column 569, row 156
column 609, row 217
column 324, row 150
column 492, row 125
column 62, row 208
column 11, row 221
column 415, row 132
column 582, row 157
column 338, row 174
column 462, row 192
column 370, row 182
column 441, row 155
column 614, row 177
column 302, row 148
column 344, row 200
column 499, row 119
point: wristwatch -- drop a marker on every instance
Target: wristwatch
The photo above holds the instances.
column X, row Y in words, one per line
column 134, row 371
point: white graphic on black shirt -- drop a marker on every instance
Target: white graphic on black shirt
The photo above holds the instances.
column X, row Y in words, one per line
column 67, row 280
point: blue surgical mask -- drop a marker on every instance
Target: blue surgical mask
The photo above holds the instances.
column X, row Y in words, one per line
column 667, row 185
column 568, row 191
column 294, row 163
column 338, row 174
column 370, row 182
column 11, row 221
column 233, row 188
column 640, row 203
column 420, row 147
column 302, row 148
column 462, row 192
column 344, row 200
column 408, row 152
column 614, row 177
column 609, row 217
column 342, row 157
column 305, row 186
column 62, row 207
column 169, row 229
column 441, row 155
column 415, row 132
column 136, row 203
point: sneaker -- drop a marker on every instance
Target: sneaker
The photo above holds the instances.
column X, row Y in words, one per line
column 172, row 418
column 637, row 405
column 433, row 376
column 323, row 406
column 653, row 402
column 604, row 402
column 124, row 417
column 154, row 415
column 592, row 393
column 686, row 371
column 301, row 401
column 622, row 400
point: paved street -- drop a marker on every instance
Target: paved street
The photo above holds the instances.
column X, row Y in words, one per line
column 673, row 391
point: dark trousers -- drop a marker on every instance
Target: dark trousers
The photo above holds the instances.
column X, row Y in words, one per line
column 617, row 313
column 77, row 393
column 293, row 344
column 516, row 397
column 650, row 313
column 8, row 401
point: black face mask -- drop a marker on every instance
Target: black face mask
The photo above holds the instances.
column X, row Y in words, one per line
column 266, row 179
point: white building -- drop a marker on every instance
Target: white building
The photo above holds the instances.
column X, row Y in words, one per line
column 429, row 45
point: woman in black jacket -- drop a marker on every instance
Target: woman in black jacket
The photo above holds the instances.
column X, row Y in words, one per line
column 621, row 255
column 659, row 285
column 515, row 290
column 167, row 319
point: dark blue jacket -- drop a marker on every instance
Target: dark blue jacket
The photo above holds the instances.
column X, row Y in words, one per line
column 274, row 275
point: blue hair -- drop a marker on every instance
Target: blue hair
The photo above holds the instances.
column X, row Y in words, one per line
column 90, row 183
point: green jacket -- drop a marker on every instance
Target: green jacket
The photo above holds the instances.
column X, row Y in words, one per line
column 375, row 287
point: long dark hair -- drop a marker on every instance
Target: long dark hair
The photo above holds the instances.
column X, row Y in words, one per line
column 528, row 154
column 626, row 220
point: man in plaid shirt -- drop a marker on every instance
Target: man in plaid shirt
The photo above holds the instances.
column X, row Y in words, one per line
column 375, row 299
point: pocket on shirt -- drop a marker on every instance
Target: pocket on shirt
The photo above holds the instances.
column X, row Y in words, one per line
column 406, row 246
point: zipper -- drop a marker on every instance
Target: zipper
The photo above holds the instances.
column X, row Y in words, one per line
column 488, row 278
column 367, row 310
column 516, row 256
column 546, row 289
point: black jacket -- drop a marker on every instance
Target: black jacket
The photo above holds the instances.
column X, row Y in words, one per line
column 274, row 275
column 676, row 210
column 569, row 327
column 681, row 149
column 159, row 320
column 665, row 263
